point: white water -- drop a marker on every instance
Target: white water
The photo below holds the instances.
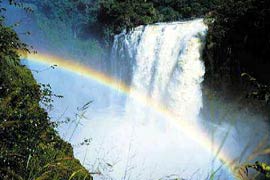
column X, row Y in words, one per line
column 166, row 64
column 132, row 141
column 162, row 62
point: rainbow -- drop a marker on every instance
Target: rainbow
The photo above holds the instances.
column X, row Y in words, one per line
column 189, row 128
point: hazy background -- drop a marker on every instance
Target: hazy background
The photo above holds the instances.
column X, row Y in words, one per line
column 105, row 122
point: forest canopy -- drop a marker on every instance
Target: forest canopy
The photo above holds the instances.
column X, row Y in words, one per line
column 103, row 18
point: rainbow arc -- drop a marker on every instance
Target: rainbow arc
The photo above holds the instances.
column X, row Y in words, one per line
column 189, row 128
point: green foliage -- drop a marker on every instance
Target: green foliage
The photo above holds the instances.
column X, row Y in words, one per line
column 238, row 41
column 70, row 28
column 237, row 50
column 261, row 168
column 126, row 14
column 257, row 90
column 47, row 96
column 121, row 15
column 30, row 147
column 101, row 19
column 79, row 15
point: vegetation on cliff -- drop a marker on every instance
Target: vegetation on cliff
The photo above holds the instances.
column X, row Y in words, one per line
column 237, row 61
column 30, row 148
column 119, row 14
column 66, row 28
column 238, row 41
column 237, row 46
column 101, row 19
column 238, row 26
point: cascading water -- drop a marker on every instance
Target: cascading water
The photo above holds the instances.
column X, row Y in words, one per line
column 162, row 61
column 137, row 135
column 132, row 137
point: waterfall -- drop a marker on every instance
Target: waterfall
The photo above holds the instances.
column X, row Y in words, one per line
column 130, row 139
column 163, row 62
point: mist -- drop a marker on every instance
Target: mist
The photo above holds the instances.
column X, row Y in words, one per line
column 134, row 142
column 125, row 146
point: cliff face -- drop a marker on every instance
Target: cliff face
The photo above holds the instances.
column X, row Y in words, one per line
column 238, row 42
column 30, row 148
column 237, row 55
